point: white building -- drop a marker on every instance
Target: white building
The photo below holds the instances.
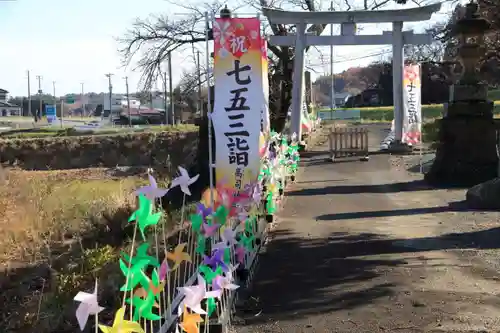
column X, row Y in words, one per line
column 7, row 109
column 118, row 102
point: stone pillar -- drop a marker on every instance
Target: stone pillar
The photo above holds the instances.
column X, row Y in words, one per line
column 397, row 78
column 467, row 152
column 298, row 77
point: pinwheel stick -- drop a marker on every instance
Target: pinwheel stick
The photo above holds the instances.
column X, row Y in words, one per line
column 97, row 313
column 177, row 282
column 128, row 272
column 160, row 303
column 166, row 302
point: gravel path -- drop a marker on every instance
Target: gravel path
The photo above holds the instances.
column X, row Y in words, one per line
column 368, row 247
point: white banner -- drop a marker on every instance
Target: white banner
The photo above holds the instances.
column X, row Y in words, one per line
column 239, row 99
column 412, row 105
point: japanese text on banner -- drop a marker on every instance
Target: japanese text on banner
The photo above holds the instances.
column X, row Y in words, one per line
column 238, row 100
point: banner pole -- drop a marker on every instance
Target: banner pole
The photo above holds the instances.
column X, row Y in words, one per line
column 209, row 112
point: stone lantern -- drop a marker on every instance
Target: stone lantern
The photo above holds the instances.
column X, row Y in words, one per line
column 470, row 31
column 466, row 154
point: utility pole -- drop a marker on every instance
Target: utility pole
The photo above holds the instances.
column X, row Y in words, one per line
column 39, row 113
column 128, row 103
column 83, row 100
column 198, row 65
column 165, row 97
column 331, row 65
column 55, row 102
column 29, row 94
column 109, row 75
column 170, row 84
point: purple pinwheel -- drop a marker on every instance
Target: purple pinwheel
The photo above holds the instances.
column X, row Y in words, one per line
column 210, row 230
column 257, row 193
column 151, row 191
column 216, row 260
column 203, row 211
column 228, row 239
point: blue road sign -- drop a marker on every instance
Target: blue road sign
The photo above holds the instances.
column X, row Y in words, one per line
column 50, row 112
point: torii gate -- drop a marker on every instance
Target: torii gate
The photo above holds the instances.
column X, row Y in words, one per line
column 397, row 37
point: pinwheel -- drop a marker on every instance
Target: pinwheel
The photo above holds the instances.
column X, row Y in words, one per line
column 178, row 256
column 216, row 260
column 228, row 239
column 194, row 295
column 190, row 321
column 184, row 181
column 121, row 325
column 151, row 191
column 88, row 306
column 144, row 215
column 141, row 255
column 134, row 275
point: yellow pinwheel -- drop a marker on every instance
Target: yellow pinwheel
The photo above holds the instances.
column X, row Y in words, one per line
column 190, row 322
column 178, row 256
column 121, row 325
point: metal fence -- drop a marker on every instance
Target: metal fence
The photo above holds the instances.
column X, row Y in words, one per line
column 348, row 141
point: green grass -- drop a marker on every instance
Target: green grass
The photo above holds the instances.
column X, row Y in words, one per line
column 47, row 132
column 40, row 211
column 386, row 113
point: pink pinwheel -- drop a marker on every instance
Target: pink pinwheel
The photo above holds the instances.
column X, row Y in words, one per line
column 242, row 215
column 210, row 230
column 151, row 191
column 240, row 254
column 194, row 295
column 226, row 281
column 216, row 260
column 164, row 268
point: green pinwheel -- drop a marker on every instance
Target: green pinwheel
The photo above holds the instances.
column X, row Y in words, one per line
column 227, row 255
column 134, row 274
column 211, row 306
column 221, row 214
column 196, row 222
column 250, row 224
column 270, row 204
column 201, row 245
column 143, row 308
column 247, row 241
column 208, row 274
column 141, row 254
column 144, row 215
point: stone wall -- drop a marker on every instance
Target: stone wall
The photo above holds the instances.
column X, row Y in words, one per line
column 138, row 149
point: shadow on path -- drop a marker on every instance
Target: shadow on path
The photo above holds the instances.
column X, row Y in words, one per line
column 416, row 185
column 297, row 285
column 460, row 206
column 298, row 278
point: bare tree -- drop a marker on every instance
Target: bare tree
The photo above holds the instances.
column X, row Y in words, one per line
column 153, row 39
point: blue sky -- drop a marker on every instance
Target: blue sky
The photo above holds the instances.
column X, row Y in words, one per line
column 73, row 41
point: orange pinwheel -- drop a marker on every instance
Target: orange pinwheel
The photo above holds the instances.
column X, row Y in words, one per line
column 153, row 289
column 190, row 321
column 178, row 256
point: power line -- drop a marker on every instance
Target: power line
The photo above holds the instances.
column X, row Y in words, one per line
column 351, row 59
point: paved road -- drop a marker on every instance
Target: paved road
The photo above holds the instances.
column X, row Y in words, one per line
column 366, row 247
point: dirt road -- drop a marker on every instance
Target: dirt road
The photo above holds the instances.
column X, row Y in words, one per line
column 367, row 247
